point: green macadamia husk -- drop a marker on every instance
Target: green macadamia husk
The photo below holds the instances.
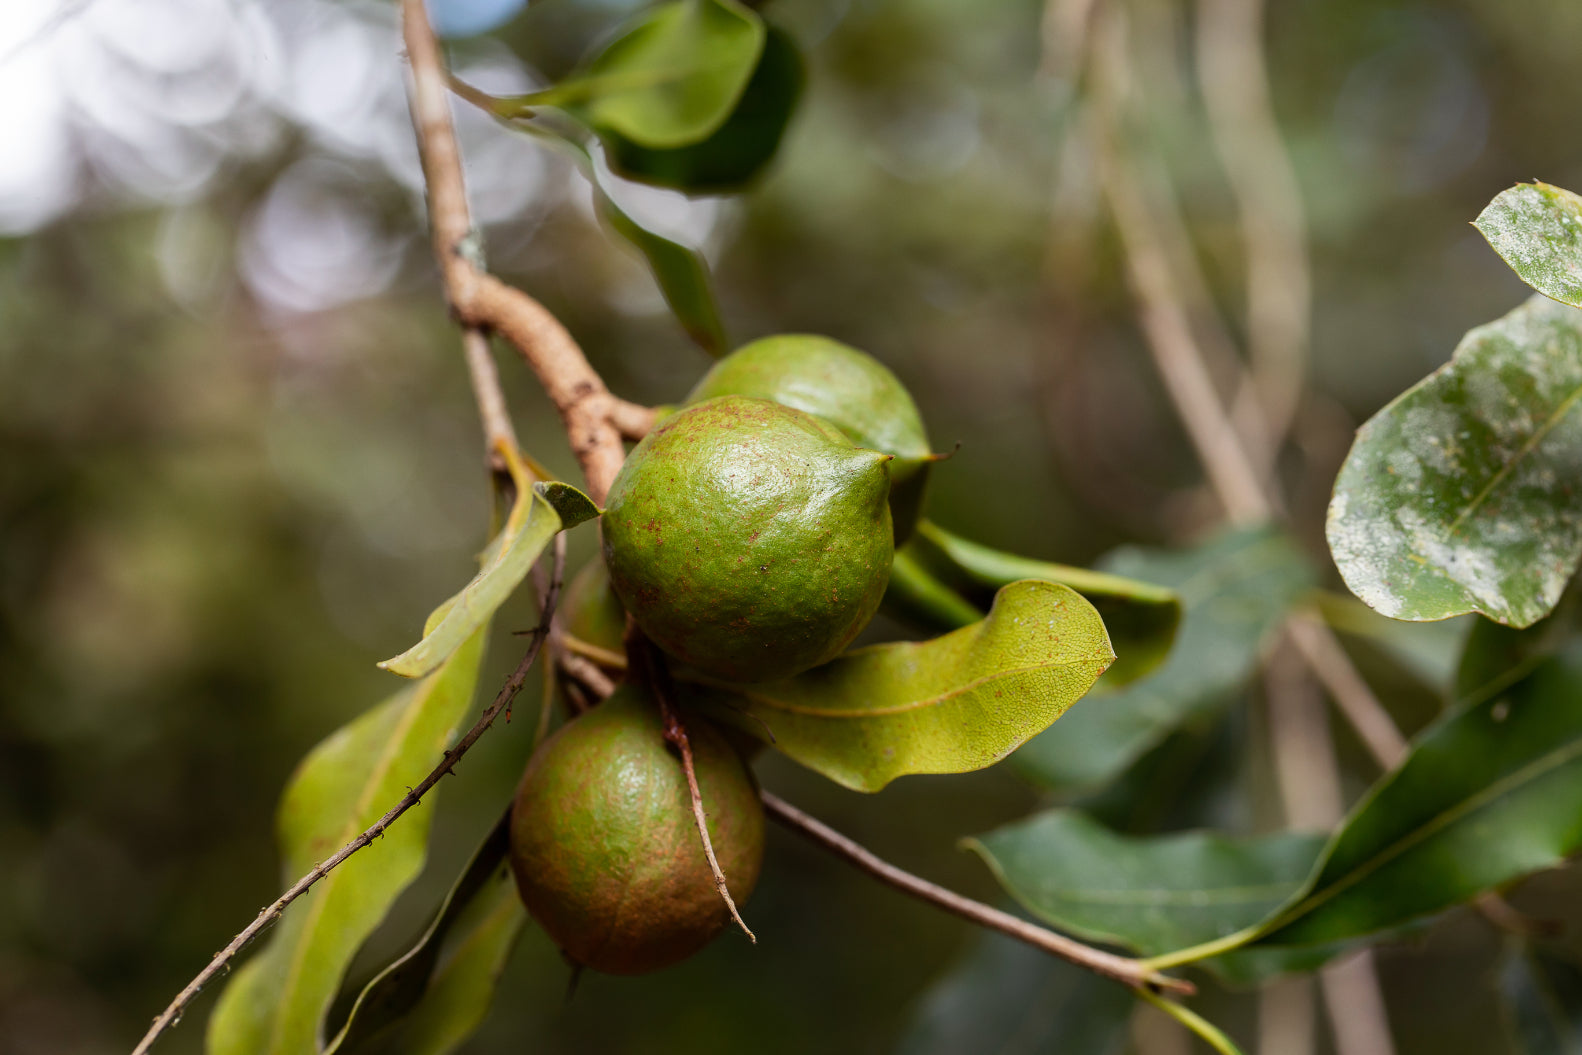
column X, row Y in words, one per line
column 604, row 848
column 748, row 539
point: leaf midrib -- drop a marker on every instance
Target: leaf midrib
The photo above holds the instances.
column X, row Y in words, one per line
column 1505, row 470
column 1229, row 895
column 913, row 705
column 1527, row 774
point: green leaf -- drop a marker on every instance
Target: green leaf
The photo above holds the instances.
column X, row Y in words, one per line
column 1542, row 995
column 275, row 1005
column 957, row 703
column 1537, row 228
column 670, row 79
column 740, row 148
column 571, row 505
column 1006, row 997
column 1236, row 589
column 1461, row 494
column 1141, row 617
column 533, row 521
column 1150, row 894
column 682, row 274
column 1490, row 793
column 1496, row 656
column 443, row 1002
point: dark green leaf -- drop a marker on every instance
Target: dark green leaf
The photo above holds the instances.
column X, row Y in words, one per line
column 1490, row 793
column 1496, row 656
column 1152, row 894
column 1007, row 998
column 1141, row 616
column 571, row 505
column 670, row 79
column 1236, row 590
column 1462, row 494
column 957, row 703
column 1543, row 1003
column 468, row 922
column 740, row 148
column 1538, row 230
column 532, row 523
column 275, row 1005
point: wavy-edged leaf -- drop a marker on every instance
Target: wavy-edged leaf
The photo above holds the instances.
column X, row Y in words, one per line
column 960, row 702
column 1542, row 997
column 1235, row 589
column 736, row 152
column 440, row 1002
column 1007, row 998
column 275, row 1005
column 1141, row 617
column 1537, row 229
column 1152, row 894
column 534, row 519
column 669, row 79
column 1462, row 495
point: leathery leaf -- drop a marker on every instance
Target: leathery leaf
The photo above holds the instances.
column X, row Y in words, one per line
column 275, row 1005
column 1462, row 495
column 956, row 703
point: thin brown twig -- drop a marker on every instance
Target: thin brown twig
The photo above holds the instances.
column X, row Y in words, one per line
column 1119, row 968
column 513, row 684
column 657, row 676
column 478, row 299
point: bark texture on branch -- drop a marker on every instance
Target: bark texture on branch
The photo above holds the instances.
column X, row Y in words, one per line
column 481, row 301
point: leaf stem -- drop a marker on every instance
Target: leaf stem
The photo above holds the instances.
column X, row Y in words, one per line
column 1137, row 974
column 513, row 684
column 1211, row 1034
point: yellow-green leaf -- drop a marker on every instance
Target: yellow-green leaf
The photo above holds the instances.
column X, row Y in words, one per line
column 957, row 703
column 275, row 1005
column 535, row 517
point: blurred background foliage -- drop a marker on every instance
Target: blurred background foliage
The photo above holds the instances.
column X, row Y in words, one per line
column 239, row 461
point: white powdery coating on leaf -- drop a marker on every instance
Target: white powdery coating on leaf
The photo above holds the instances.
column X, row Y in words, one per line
column 1537, row 229
column 1461, row 495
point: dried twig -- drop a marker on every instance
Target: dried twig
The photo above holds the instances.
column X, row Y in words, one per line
column 172, row 1014
column 1119, row 968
